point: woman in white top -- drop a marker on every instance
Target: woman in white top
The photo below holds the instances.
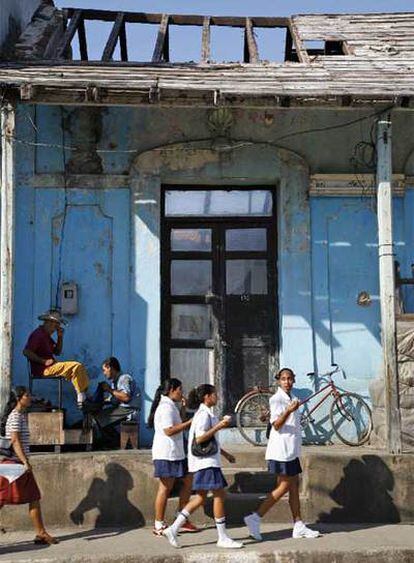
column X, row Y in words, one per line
column 282, row 455
column 168, row 453
column 16, row 443
column 206, row 468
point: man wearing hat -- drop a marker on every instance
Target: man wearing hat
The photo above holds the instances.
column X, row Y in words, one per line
column 41, row 350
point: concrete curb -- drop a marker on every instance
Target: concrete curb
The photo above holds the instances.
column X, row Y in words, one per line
column 280, row 556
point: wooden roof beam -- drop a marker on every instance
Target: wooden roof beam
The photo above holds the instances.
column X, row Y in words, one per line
column 76, row 18
column 113, row 37
column 161, row 50
column 181, row 19
column 251, row 52
column 205, row 41
column 297, row 42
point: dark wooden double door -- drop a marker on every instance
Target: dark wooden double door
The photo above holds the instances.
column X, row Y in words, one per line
column 219, row 302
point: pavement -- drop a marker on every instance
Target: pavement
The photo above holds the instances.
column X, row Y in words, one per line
column 340, row 543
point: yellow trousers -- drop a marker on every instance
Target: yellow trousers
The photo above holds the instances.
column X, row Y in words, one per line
column 74, row 372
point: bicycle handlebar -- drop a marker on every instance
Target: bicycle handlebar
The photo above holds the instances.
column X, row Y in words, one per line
column 328, row 373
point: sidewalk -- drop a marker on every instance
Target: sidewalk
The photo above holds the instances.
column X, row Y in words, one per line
column 340, row 543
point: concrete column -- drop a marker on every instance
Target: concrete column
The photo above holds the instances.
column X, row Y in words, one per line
column 6, row 249
column 387, row 285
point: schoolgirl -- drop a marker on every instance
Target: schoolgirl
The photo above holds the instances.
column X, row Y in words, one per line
column 206, row 469
column 168, row 453
column 282, row 455
column 16, row 439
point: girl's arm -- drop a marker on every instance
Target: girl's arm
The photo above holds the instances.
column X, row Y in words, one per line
column 18, row 450
column 230, row 458
column 281, row 420
column 177, row 428
column 210, row 433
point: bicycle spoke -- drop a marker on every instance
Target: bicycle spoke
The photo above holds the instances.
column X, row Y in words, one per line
column 253, row 417
column 351, row 419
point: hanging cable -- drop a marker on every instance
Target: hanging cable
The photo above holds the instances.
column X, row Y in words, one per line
column 65, row 208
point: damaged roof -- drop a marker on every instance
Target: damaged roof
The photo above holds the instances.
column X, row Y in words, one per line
column 343, row 60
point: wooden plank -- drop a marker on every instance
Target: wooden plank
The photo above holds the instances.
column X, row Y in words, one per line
column 162, row 40
column 69, row 34
column 297, row 41
column 123, row 42
column 205, row 41
column 113, row 37
column 181, row 19
column 83, row 47
column 251, row 53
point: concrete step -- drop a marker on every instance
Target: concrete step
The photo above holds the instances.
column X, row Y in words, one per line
column 238, row 505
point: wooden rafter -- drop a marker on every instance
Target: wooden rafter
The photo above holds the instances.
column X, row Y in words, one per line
column 72, row 28
column 123, row 42
column 300, row 49
column 181, row 19
column 83, row 47
column 161, row 50
column 113, row 37
column 205, row 41
column 251, row 53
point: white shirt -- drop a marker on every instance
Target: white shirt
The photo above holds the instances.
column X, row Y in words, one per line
column 163, row 446
column 284, row 444
column 202, row 421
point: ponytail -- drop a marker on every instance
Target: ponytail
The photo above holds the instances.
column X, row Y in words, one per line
column 15, row 395
column 170, row 384
column 196, row 395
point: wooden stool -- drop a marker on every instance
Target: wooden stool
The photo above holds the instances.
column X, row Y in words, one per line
column 129, row 435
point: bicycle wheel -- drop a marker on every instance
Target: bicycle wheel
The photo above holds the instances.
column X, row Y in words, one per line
column 252, row 418
column 351, row 419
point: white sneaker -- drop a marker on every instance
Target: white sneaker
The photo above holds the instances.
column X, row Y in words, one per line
column 228, row 543
column 253, row 523
column 168, row 533
column 303, row 531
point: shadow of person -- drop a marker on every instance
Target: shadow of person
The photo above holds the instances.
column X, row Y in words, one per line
column 364, row 494
column 110, row 497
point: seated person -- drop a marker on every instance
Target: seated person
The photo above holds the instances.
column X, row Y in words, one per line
column 123, row 404
column 41, row 350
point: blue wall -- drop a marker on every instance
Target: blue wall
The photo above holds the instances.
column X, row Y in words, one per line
column 110, row 246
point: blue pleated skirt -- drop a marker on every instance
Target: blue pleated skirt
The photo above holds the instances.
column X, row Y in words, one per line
column 289, row 468
column 209, row 479
column 167, row 468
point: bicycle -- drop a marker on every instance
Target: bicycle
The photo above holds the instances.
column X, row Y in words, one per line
column 350, row 415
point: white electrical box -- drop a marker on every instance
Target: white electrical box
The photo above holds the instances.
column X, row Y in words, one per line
column 69, row 298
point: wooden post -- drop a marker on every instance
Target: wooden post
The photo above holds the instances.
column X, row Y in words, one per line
column 6, row 249
column 387, row 285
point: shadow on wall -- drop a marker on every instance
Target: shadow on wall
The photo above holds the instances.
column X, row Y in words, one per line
column 110, row 498
column 364, row 494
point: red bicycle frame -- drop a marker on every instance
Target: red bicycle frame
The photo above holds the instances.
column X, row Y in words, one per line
column 332, row 391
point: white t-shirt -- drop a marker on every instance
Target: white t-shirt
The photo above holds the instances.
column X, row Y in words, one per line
column 284, row 444
column 163, row 446
column 203, row 420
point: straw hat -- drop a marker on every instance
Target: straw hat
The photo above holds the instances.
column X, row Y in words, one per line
column 53, row 315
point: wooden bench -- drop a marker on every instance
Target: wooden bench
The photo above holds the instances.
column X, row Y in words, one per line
column 129, row 435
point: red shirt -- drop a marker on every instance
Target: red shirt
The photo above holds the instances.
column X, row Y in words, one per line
column 41, row 343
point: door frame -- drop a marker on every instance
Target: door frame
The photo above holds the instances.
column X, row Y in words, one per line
column 231, row 221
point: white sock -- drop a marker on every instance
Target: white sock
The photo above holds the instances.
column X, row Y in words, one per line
column 179, row 521
column 221, row 528
column 299, row 524
column 158, row 524
column 81, row 397
column 257, row 516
